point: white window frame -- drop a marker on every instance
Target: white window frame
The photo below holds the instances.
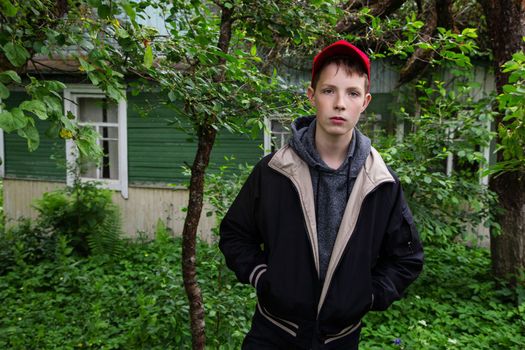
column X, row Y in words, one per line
column 71, row 94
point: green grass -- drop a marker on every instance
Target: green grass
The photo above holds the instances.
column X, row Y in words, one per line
column 138, row 302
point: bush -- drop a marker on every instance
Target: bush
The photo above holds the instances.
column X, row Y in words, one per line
column 85, row 215
column 448, row 123
column 222, row 186
column 25, row 243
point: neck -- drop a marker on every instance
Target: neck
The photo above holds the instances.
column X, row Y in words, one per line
column 333, row 150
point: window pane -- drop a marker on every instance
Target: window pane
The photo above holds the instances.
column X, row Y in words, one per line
column 90, row 110
column 112, row 112
column 109, row 133
column 97, row 110
column 280, row 134
column 109, row 168
column 88, row 169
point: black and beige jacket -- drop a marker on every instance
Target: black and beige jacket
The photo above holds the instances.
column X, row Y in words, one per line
column 269, row 240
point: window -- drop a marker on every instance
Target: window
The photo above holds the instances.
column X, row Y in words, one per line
column 93, row 109
column 277, row 135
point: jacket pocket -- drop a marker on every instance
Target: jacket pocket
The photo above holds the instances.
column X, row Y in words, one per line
column 343, row 333
column 287, row 326
column 256, row 275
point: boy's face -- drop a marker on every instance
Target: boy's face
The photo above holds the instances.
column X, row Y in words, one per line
column 339, row 99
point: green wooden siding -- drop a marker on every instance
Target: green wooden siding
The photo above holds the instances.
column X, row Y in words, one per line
column 157, row 151
column 20, row 163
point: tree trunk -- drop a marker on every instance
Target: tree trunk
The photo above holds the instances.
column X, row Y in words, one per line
column 506, row 26
column 206, row 133
column 189, row 234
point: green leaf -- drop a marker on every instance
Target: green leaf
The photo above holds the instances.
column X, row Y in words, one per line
column 85, row 65
column 4, row 91
column 129, row 10
column 16, row 54
column 30, row 133
column 121, row 33
column 469, row 32
column 148, row 56
column 8, row 9
column 10, row 75
column 36, row 107
column 104, row 11
column 13, row 120
column 54, row 104
column 114, row 93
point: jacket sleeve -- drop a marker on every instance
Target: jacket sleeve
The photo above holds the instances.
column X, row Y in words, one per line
column 401, row 255
column 240, row 240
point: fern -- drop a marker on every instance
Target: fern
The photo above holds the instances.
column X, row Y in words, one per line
column 84, row 214
column 105, row 239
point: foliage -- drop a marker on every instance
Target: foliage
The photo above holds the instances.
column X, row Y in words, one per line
column 446, row 123
column 138, row 302
column 400, row 35
column 2, row 216
column 26, row 243
column 512, row 104
column 31, row 30
column 227, row 87
column 85, row 215
column 455, row 304
column 223, row 186
column 135, row 302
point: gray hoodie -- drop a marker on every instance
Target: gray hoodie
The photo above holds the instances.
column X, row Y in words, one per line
column 331, row 187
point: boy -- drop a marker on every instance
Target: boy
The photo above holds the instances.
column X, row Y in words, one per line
column 321, row 228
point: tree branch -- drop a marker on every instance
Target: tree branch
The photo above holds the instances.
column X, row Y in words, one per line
column 378, row 8
column 419, row 60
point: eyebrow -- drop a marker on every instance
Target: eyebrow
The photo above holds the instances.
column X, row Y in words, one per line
column 353, row 87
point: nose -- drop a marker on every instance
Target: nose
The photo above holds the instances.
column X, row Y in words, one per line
column 339, row 103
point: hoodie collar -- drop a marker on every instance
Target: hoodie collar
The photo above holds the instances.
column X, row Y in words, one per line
column 303, row 142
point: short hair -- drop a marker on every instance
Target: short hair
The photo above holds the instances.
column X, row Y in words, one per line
column 350, row 65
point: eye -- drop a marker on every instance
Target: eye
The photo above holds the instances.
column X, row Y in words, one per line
column 327, row 91
column 354, row 93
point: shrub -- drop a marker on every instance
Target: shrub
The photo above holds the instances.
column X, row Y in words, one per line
column 448, row 123
column 25, row 243
column 85, row 215
column 222, row 186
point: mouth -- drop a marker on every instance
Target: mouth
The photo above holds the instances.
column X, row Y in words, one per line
column 338, row 119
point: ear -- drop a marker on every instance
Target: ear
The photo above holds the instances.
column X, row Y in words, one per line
column 310, row 93
column 367, row 100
